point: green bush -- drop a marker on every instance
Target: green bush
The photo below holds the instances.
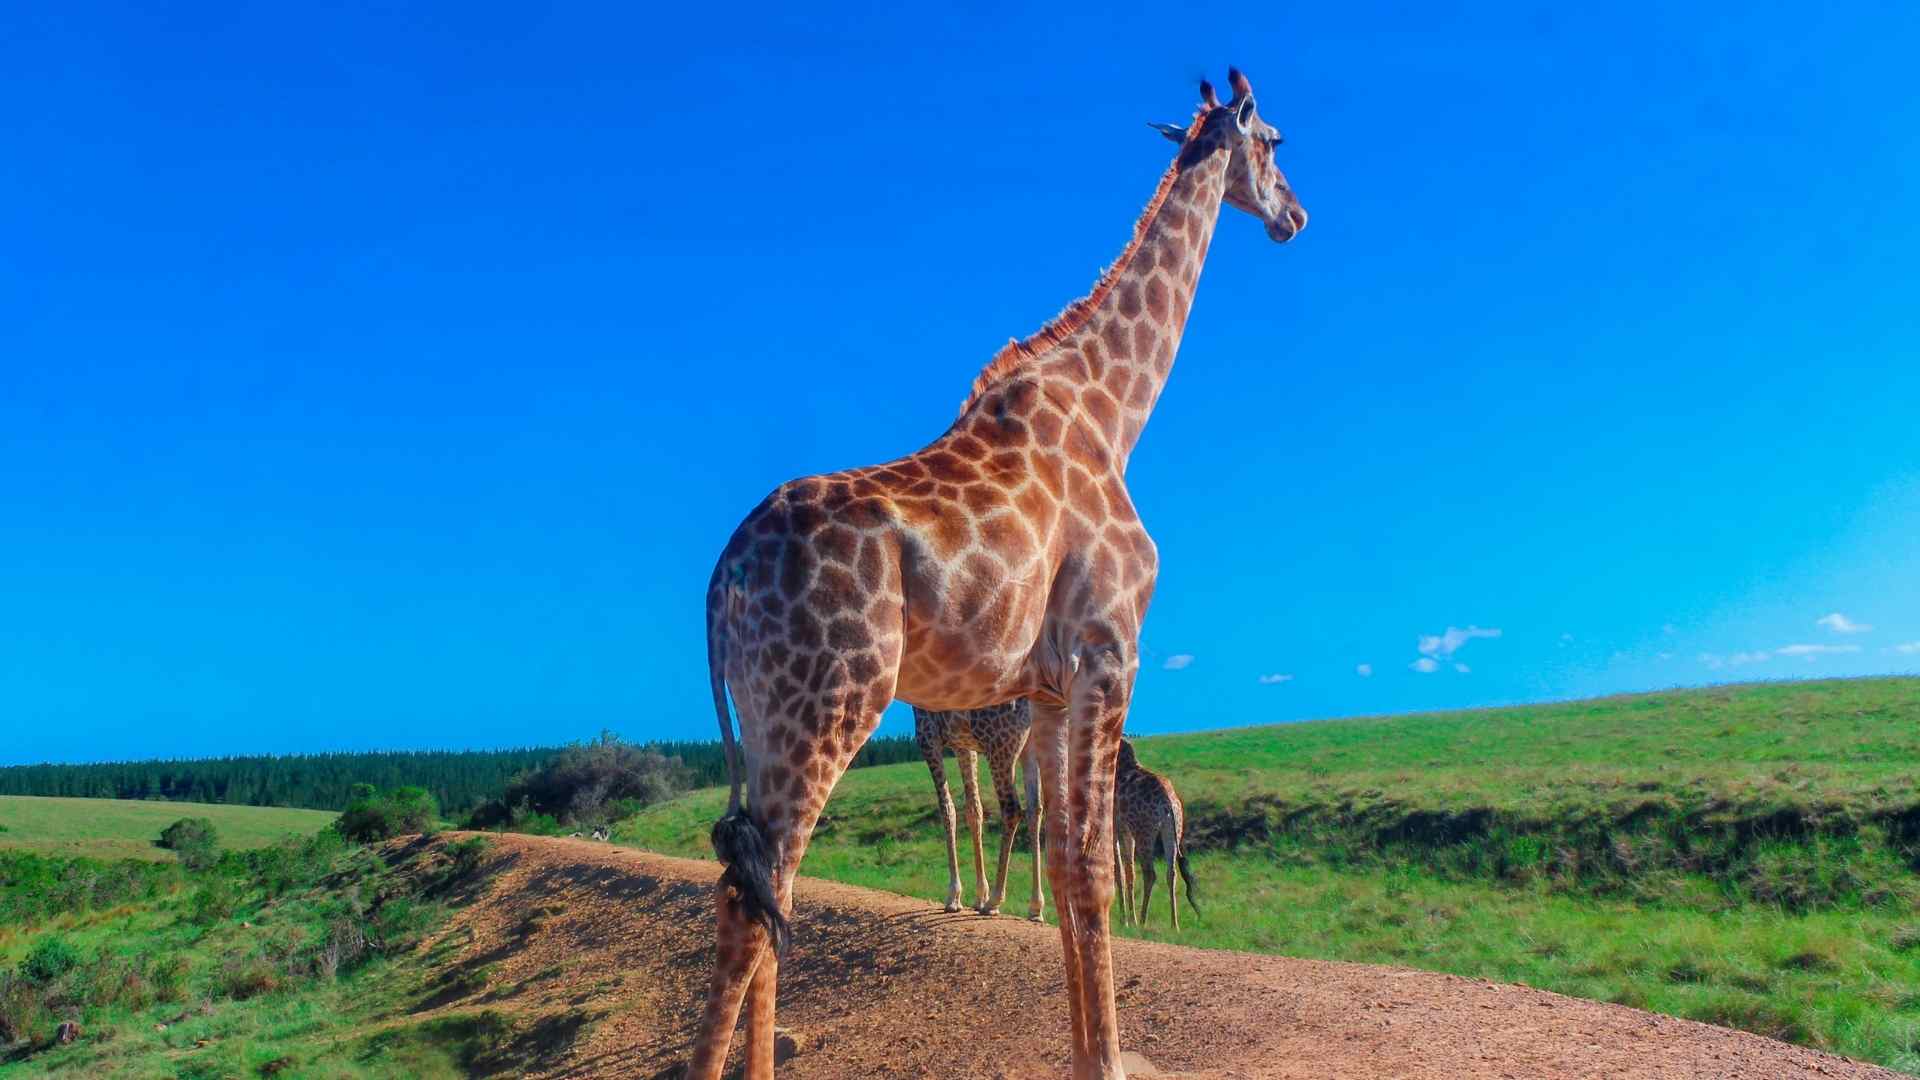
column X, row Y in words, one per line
column 50, row 959
column 23, row 1008
column 589, row 783
column 211, row 902
column 193, row 840
column 372, row 817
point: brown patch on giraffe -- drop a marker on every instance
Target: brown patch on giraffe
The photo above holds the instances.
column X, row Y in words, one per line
column 968, row 447
column 1101, row 407
column 982, row 498
column 1048, row 427
column 1146, row 340
column 1158, row 301
column 950, row 468
column 1114, row 334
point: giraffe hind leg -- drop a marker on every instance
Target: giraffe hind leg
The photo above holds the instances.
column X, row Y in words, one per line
column 740, row 941
column 1170, row 842
column 1000, row 765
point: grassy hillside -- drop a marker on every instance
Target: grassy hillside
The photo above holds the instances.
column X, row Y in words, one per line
column 1743, row 855
column 299, row 960
column 115, row 829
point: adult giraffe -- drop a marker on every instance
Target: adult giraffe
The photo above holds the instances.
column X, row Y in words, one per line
column 1005, row 560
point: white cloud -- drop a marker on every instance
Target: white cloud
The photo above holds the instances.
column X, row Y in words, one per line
column 1840, row 624
column 1461, row 668
column 1365, row 671
column 1435, row 648
column 1738, row 659
column 1178, row 661
column 1445, row 645
column 1811, row 651
column 1564, row 638
column 1909, row 648
column 1664, row 655
column 1275, row 679
column 1758, row 656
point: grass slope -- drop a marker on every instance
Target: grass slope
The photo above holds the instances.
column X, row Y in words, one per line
column 304, row 961
column 1744, row 855
column 116, row 829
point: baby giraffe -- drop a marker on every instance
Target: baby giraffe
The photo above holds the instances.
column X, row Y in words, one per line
column 1148, row 821
column 1000, row 732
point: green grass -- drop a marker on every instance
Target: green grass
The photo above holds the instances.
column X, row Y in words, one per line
column 119, row 828
column 1742, row 855
column 299, row 961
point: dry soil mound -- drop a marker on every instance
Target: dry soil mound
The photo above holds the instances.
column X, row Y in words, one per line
column 603, row 954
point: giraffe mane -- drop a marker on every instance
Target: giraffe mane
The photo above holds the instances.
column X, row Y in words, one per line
column 1015, row 353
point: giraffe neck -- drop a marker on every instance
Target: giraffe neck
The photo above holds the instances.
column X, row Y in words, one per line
column 1118, row 359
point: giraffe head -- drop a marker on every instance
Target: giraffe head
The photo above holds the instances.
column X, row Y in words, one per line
column 1126, row 760
column 1254, row 181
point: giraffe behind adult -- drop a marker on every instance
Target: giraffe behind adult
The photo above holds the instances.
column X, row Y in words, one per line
column 999, row 732
column 1148, row 823
column 1004, row 560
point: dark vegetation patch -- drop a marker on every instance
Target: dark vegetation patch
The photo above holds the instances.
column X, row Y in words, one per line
column 1798, row 857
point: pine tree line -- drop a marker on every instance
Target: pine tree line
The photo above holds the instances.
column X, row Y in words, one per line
column 460, row 780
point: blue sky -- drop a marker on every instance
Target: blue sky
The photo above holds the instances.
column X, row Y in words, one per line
column 394, row 379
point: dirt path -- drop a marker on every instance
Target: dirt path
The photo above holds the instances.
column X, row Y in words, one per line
column 602, row 953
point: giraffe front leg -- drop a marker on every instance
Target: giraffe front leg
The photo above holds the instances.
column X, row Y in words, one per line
column 1036, row 907
column 1097, row 713
column 944, row 799
column 969, row 762
column 1047, row 757
column 1076, row 762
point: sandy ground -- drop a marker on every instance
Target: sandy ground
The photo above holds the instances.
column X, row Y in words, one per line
column 601, row 955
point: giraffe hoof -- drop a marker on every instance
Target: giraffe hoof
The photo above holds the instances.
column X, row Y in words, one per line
column 953, row 907
column 988, row 909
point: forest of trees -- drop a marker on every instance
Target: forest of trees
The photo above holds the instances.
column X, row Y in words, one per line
column 459, row 780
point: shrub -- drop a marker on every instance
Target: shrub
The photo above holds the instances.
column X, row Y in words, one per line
column 211, row 902
column 50, row 959
column 169, row 978
column 248, row 977
column 372, row 817
column 193, row 840
column 585, row 784
column 23, row 1008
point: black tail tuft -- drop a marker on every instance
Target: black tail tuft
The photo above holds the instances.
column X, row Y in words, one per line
column 742, row 848
column 1186, row 875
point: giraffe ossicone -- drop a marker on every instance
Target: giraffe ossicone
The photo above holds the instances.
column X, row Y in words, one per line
column 1004, row 560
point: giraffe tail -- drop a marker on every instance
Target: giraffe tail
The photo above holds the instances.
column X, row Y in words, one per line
column 1186, row 875
column 737, row 840
column 717, row 678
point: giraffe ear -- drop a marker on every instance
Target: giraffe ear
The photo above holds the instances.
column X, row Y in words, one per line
column 1243, row 113
column 1177, row 134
